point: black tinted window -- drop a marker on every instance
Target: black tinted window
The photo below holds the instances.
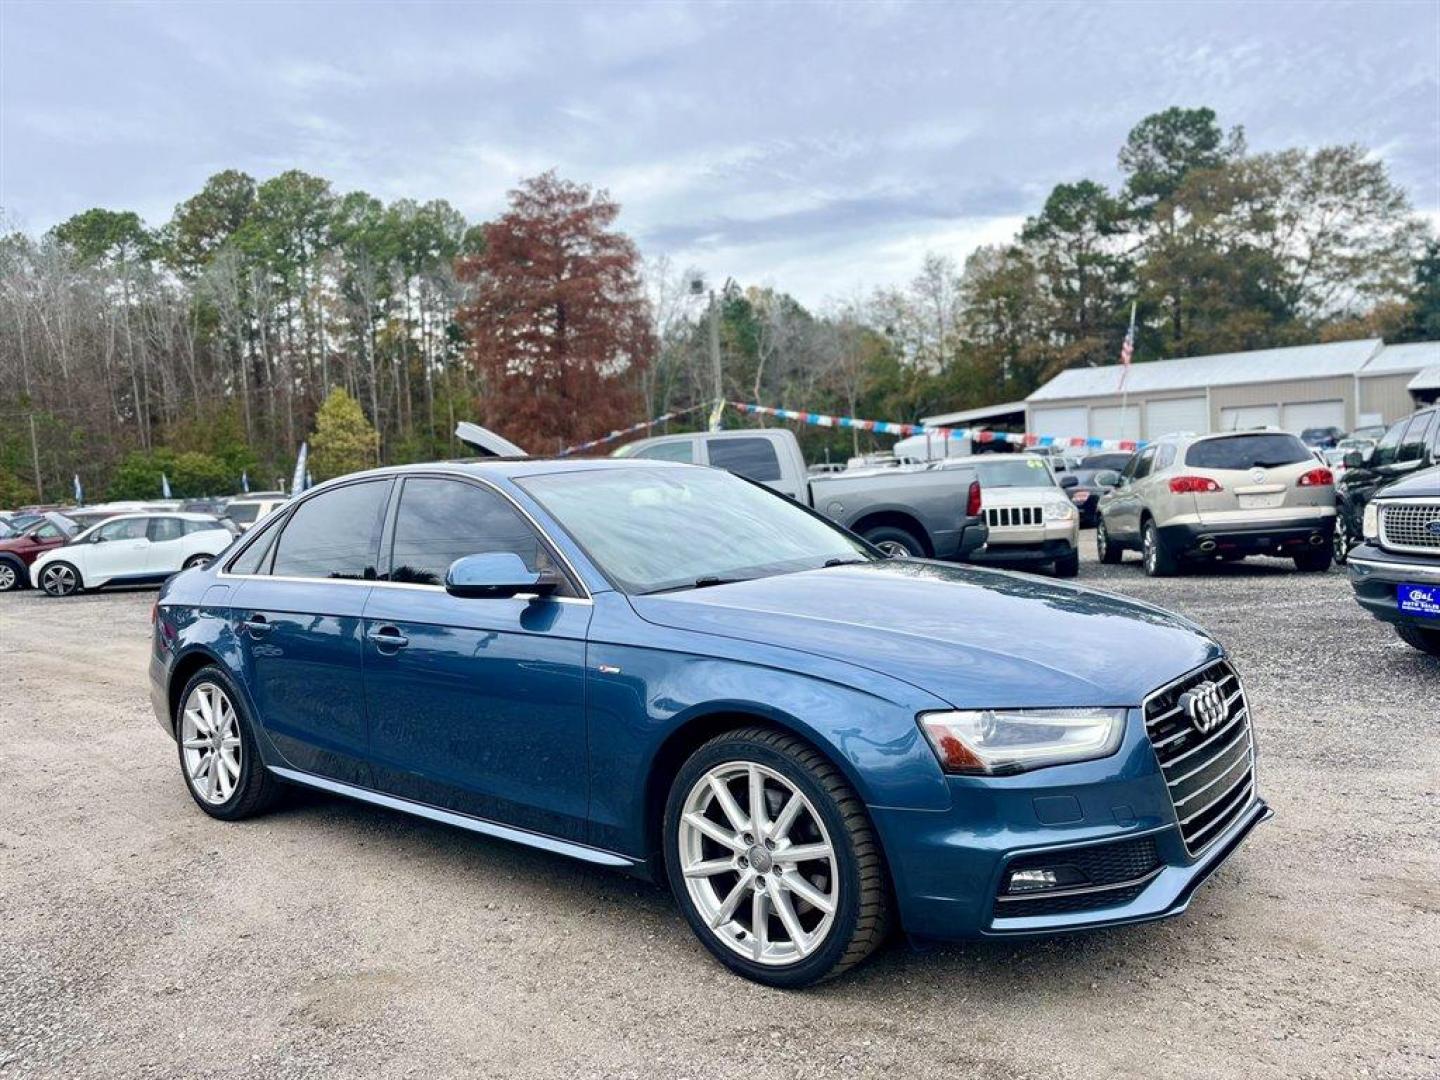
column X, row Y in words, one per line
column 165, row 528
column 752, row 458
column 442, row 520
column 1389, row 444
column 334, row 535
column 1247, row 452
column 1412, row 446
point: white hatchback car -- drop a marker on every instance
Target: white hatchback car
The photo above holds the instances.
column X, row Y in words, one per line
column 132, row 549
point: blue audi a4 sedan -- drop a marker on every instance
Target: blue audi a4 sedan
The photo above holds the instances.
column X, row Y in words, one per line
column 667, row 669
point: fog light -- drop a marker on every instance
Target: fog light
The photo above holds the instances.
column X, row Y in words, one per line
column 1039, row 879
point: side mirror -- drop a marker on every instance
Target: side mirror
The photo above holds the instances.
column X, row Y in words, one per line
column 1069, row 480
column 1107, row 478
column 1354, row 459
column 495, row 575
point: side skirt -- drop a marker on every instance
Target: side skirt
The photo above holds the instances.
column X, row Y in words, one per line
column 461, row 821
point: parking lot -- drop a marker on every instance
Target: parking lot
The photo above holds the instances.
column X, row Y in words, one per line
column 140, row 938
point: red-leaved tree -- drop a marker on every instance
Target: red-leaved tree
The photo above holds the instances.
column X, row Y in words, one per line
column 558, row 324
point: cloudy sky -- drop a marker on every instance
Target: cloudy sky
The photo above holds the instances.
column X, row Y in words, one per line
column 819, row 147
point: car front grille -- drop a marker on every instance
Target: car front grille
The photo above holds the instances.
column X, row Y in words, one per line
column 1001, row 517
column 1211, row 774
column 1114, row 873
column 1406, row 526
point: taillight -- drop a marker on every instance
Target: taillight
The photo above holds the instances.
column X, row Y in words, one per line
column 1193, row 485
column 972, row 504
column 1316, row 478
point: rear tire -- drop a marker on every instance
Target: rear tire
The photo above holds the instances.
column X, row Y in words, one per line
column 209, row 703
column 1427, row 641
column 1158, row 560
column 12, row 575
column 895, row 542
column 197, row 560
column 1109, row 551
column 60, row 579
column 1068, row 566
column 1316, row 561
column 824, row 814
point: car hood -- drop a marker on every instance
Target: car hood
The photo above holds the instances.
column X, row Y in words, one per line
column 1420, row 485
column 973, row 638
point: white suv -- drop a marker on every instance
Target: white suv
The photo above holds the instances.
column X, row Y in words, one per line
column 1199, row 498
column 1030, row 517
column 132, row 549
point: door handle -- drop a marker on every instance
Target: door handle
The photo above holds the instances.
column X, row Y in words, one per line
column 388, row 637
column 257, row 625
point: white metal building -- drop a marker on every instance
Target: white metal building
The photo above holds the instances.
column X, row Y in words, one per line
column 1345, row 384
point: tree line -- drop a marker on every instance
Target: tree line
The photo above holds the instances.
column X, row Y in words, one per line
column 204, row 347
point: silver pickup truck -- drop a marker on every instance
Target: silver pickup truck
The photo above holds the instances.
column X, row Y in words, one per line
column 919, row 510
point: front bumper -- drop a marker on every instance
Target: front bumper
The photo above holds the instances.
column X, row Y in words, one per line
column 1288, row 535
column 1043, row 551
column 1374, row 573
column 949, row 866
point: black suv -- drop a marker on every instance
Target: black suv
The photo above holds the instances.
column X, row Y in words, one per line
column 1396, row 571
column 1407, row 445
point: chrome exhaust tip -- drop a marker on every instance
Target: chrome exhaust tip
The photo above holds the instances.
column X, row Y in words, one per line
column 1207, row 544
column 1316, row 539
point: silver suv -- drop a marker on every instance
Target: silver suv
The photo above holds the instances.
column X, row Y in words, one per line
column 1200, row 498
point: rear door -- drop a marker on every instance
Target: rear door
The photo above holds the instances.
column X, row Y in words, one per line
column 298, row 618
column 167, row 545
column 476, row 705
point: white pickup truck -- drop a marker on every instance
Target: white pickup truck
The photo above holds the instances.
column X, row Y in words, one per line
column 919, row 510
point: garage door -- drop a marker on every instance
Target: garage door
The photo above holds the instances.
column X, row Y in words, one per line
column 1190, row 414
column 1060, row 422
column 1105, row 422
column 1298, row 415
column 1240, row 417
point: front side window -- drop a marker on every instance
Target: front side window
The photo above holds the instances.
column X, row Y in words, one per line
column 126, row 529
column 653, row 530
column 683, row 451
column 1258, row 451
column 335, row 534
column 1389, row 444
column 1412, row 445
column 440, row 521
column 1142, row 463
column 753, row 459
column 47, row 532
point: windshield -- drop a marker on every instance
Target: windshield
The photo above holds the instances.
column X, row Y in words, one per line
column 1014, row 473
column 651, row 530
column 1247, row 452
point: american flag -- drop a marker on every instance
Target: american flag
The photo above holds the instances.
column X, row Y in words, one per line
column 1127, row 349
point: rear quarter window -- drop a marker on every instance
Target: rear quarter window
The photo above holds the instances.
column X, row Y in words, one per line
column 1247, row 452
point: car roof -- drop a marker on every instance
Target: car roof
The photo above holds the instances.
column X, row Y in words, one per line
column 183, row 515
column 514, row 468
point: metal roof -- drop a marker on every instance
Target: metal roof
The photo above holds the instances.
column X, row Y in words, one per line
column 1398, row 359
column 985, row 413
column 1336, row 358
column 1429, row 379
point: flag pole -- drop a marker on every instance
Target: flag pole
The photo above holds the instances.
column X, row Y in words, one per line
column 1125, row 371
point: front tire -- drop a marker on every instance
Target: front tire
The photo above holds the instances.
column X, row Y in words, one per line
column 787, row 896
column 1068, row 566
column 60, row 579
column 895, row 542
column 218, row 759
column 1341, row 541
column 1427, row 641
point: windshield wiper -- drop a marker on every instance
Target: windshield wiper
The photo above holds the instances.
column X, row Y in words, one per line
column 844, row 562
column 698, row 583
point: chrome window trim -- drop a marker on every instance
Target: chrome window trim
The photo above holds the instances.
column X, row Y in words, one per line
column 448, row 474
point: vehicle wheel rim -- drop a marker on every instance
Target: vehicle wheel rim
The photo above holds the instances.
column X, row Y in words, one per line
column 893, row 549
column 59, row 580
column 1341, row 541
column 7, row 577
column 1149, row 549
column 1100, row 538
column 210, row 739
column 198, row 560
column 764, row 883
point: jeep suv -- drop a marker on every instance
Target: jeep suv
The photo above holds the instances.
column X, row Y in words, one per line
column 1396, row 571
column 1189, row 498
column 1407, row 445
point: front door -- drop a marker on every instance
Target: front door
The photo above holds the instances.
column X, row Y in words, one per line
column 298, row 619
column 119, row 549
column 476, row 705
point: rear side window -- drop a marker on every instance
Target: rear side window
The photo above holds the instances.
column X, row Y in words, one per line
column 166, row 528
column 1247, row 452
column 1164, row 457
column 753, row 459
column 1412, row 445
column 670, row 451
column 440, row 521
column 1389, row 444
column 335, row 534
column 257, row 546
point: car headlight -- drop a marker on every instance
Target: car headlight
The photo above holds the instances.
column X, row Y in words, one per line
column 1370, row 524
column 991, row 742
column 1059, row 511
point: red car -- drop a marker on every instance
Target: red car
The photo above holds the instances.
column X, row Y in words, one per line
column 18, row 552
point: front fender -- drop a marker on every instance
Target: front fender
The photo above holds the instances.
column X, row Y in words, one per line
column 648, row 685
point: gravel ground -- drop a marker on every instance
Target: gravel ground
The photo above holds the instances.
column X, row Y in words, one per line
column 140, row 938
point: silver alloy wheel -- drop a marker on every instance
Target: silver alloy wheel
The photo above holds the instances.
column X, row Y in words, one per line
column 196, row 560
column 1100, row 538
column 8, row 577
column 1340, row 539
column 1151, row 555
column 58, row 580
column 893, row 549
column 748, row 834
column 211, row 743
